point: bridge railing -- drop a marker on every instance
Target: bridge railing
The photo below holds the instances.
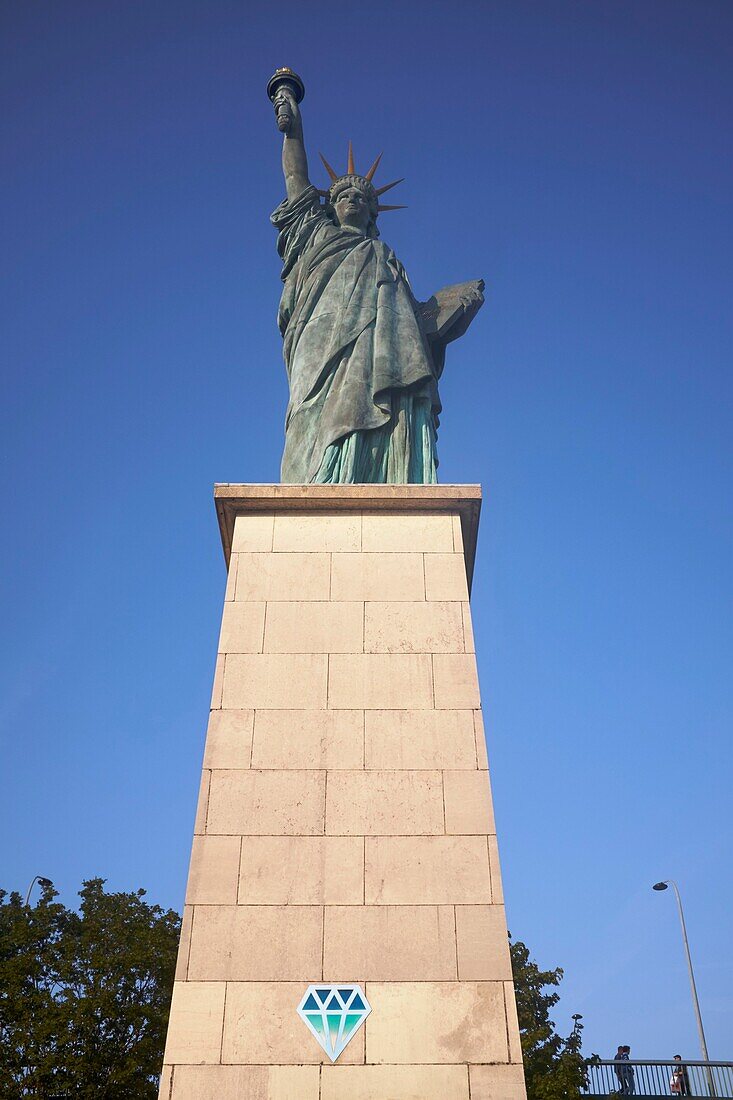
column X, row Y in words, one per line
column 615, row 1078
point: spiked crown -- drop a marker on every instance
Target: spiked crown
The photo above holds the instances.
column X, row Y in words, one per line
column 338, row 183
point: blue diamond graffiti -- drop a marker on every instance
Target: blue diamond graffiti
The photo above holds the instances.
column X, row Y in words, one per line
column 333, row 1014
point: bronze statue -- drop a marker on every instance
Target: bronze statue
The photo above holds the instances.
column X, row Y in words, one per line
column 363, row 356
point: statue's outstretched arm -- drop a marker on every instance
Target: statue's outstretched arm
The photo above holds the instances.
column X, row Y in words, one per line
column 290, row 123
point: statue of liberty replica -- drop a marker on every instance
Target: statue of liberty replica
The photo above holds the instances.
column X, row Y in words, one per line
column 363, row 355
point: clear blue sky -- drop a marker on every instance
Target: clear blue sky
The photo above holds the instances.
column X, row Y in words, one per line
column 575, row 154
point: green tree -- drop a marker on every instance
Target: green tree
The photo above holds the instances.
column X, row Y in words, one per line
column 84, row 996
column 554, row 1066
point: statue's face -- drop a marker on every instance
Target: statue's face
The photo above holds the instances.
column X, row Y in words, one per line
column 352, row 208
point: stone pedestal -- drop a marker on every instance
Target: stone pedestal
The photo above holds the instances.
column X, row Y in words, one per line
column 344, row 830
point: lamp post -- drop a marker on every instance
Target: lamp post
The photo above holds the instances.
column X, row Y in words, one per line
column 41, row 882
column 696, row 1004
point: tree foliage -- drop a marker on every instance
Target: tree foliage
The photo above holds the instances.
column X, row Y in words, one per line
column 554, row 1066
column 84, row 996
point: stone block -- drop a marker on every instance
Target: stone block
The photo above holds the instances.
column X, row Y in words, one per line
column 245, row 943
column 250, row 1082
column 202, row 806
column 242, row 627
column 379, row 681
column 315, row 533
column 377, row 577
column 275, row 681
column 184, row 944
column 267, row 803
column 166, row 1083
column 439, row 870
column 262, row 1027
column 301, row 870
column 481, row 755
column 252, row 533
column 308, row 739
column 394, row 1083
column 443, row 1022
column 457, row 535
column 497, row 890
column 218, row 682
column 231, row 588
column 419, row 739
column 312, row 627
column 415, row 627
column 445, row 577
column 406, row 532
column 213, row 875
column 497, row 1082
column 390, row 943
column 195, row 1027
column 468, row 807
column 283, row 577
column 468, row 628
column 515, row 1046
column 229, row 739
column 373, row 803
column 483, row 944
column 455, row 681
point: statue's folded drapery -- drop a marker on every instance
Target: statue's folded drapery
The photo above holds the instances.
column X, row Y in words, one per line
column 363, row 382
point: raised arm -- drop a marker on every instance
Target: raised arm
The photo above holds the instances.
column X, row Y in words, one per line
column 290, row 123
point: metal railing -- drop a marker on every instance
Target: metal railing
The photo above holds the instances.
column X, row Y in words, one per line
column 642, row 1078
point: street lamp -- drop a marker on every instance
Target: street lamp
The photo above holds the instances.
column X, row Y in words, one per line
column 43, row 882
column 703, row 1045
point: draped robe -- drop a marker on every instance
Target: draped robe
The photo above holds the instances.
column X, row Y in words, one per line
column 363, row 378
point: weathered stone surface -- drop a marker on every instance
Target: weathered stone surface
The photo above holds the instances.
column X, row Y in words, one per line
column 202, row 807
column 497, row 1082
column 301, row 870
column 184, row 944
column 427, row 870
column 483, row 946
column 256, row 943
column 419, row 739
column 515, row 1046
column 308, row 739
column 449, row 1022
column 389, row 803
column 384, row 534
column 497, row 891
column 390, row 943
column 468, row 807
column 375, row 681
column 275, row 681
column 395, row 1083
column 377, row 577
column 445, row 577
column 280, row 1037
column 312, row 627
column 252, row 533
column 242, row 627
column 195, row 1028
column 481, row 756
column 283, row 577
column 229, row 739
column 304, row 533
column 455, row 681
column 213, row 874
column 417, row 627
column 246, row 1083
column 267, row 803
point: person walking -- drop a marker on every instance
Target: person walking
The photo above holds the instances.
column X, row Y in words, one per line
column 625, row 1072
column 679, row 1082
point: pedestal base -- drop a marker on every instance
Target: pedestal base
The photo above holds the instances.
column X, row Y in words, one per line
column 345, row 832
